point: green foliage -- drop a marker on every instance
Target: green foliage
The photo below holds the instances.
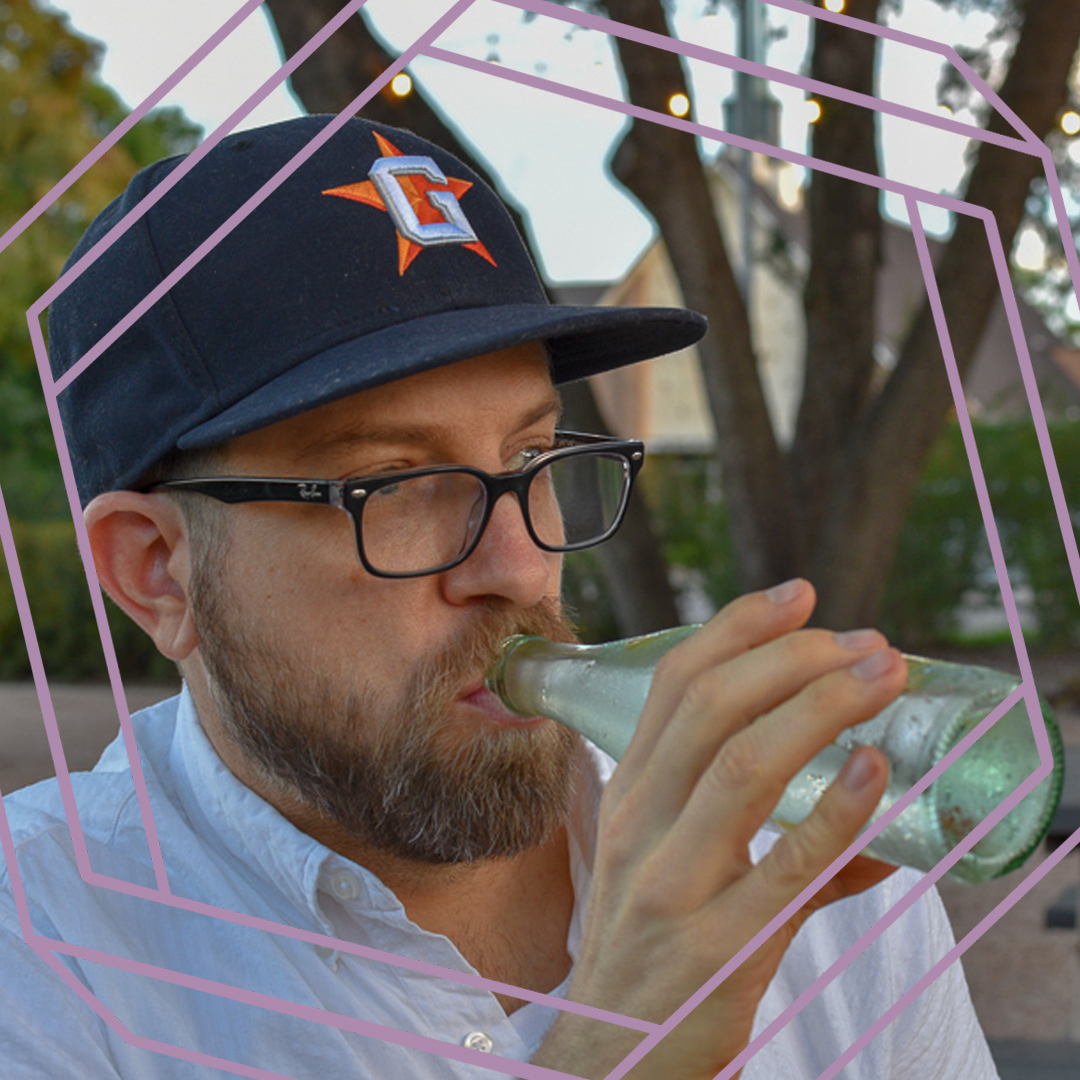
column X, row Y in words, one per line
column 692, row 518
column 944, row 553
column 53, row 112
column 63, row 616
column 943, row 557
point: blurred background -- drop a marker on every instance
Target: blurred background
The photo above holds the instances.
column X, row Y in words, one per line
column 813, row 431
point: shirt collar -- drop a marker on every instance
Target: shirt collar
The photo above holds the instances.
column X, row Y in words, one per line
column 228, row 813
column 250, row 830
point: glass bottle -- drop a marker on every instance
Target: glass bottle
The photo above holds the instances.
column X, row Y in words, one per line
column 600, row 691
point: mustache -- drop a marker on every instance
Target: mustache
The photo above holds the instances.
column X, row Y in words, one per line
column 477, row 646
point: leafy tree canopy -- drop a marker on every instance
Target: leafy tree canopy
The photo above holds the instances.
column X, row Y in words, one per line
column 54, row 110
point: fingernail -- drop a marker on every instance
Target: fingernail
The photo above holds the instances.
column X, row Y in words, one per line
column 875, row 665
column 858, row 771
column 785, row 592
column 857, row 639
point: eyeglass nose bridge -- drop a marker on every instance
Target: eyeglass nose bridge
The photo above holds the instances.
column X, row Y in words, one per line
column 495, row 487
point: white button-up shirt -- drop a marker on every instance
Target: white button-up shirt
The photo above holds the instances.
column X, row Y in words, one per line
column 143, row 1005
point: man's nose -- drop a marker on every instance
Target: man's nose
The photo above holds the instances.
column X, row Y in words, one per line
column 506, row 564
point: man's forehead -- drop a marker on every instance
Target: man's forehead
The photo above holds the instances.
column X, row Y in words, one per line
column 506, row 391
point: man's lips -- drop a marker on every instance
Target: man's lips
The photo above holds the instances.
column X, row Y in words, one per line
column 481, row 698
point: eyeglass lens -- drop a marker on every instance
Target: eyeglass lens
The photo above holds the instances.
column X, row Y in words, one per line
column 428, row 521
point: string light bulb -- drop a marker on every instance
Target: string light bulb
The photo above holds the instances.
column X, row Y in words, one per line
column 678, row 104
column 1070, row 122
column 401, row 84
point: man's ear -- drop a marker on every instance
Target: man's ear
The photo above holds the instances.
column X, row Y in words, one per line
column 143, row 560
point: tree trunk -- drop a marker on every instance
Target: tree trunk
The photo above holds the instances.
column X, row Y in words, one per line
column 845, row 254
column 663, row 169
column 884, row 456
column 632, row 561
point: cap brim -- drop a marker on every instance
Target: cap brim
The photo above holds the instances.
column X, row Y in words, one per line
column 583, row 341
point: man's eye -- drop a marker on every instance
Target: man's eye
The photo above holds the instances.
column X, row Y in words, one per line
column 524, row 458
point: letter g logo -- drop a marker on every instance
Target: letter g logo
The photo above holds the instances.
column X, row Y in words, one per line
column 453, row 229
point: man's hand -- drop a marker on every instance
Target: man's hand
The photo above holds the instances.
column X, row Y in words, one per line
column 733, row 714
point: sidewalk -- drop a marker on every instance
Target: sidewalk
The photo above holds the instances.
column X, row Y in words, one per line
column 85, row 715
column 1018, row 1060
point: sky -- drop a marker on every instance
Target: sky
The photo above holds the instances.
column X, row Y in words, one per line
column 549, row 153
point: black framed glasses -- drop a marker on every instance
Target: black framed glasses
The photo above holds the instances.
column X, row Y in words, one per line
column 425, row 521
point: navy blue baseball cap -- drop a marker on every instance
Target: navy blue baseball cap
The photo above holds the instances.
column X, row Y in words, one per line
column 381, row 256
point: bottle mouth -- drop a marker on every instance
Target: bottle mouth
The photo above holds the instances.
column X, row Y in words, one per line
column 495, row 680
column 988, row 772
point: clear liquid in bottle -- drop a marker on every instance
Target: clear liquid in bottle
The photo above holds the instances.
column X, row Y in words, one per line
column 600, row 691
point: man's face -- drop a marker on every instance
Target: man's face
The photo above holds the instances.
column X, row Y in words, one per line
column 361, row 697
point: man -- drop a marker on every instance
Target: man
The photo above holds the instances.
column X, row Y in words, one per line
column 321, row 472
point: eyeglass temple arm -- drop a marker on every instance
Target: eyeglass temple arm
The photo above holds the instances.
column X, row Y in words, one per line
column 259, row 490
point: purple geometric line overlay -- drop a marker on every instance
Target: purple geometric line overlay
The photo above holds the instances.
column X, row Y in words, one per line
column 153, row 1045
column 63, row 776
column 1038, row 728
column 16, row 230
column 58, row 431
column 43, row 367
column 22, row 606
column 129, row 121
column 1027, row 686
column 800, row 7
column 772, row 74
column 548, row 1072
column 694, row 127
column 294, row 933
column 303, row 1012
column 954, row 953
column 162, row 895
column 1054, row 480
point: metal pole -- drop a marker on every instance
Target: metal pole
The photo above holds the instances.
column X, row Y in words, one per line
column 749, row 14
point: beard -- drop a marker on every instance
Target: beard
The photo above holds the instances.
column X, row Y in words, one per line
column 399, row 775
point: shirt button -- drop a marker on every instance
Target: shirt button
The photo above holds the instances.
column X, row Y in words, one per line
column 477, row 1040
column 345, row 885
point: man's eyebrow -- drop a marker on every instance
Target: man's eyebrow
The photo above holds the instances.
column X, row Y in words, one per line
column 362, row 435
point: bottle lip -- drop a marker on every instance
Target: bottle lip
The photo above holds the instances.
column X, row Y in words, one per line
column 1056, row 779
column 976, row 863
column 495, row 680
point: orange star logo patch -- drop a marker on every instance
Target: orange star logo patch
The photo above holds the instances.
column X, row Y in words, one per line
column 421, row 201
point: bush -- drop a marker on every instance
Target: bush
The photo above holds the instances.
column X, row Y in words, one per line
column 63, row 616
column 942, row 555
column 943, row 552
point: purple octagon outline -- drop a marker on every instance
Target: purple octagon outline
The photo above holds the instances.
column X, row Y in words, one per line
column 46, row 948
